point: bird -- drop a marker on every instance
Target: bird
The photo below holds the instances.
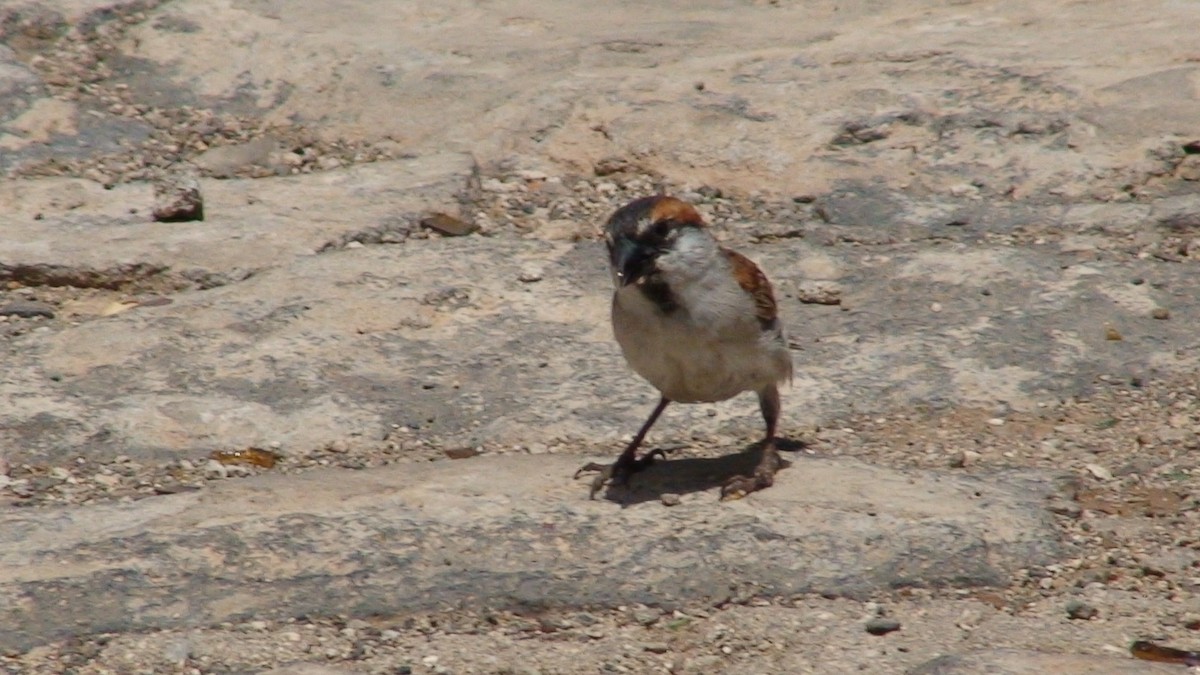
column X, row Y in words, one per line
column 696, row 320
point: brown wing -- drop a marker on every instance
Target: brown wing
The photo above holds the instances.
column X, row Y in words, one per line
column 753, row 281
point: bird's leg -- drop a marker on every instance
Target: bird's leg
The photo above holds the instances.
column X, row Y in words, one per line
column 628, row 463
column 764, row 474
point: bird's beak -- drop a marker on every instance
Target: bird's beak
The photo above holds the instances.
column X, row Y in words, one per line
column 630, row 261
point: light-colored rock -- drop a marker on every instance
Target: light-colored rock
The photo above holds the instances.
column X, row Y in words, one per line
column 404, row 537
column 1017, row 662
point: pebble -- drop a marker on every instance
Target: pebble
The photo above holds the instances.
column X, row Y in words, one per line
column 656, row 647
column 882, row 625
column 1079, row 610
column 177, row 651
column 530, row 274
column 669, row 499
column 448, row 225
column 1161, row 313
column 494, row 185
column 177, row 199
column 106, row 479
column 646, row 616
column 27, row 309
column 215, row 469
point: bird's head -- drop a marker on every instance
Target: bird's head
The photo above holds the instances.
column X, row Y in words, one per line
column 642, row 231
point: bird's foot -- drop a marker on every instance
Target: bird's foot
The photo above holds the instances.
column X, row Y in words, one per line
column 618, row 472
column 762, row 478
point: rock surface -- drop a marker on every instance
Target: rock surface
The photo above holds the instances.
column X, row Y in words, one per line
column 981, row 219
column 407, row 538
column 1014, row 662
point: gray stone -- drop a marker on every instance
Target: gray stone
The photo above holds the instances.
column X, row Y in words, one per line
column 882, row 625
column 27, row 309
column 1018, row 662
column 406, row 537
column 1082, row 611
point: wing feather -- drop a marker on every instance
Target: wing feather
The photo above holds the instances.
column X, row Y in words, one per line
column 755, row 283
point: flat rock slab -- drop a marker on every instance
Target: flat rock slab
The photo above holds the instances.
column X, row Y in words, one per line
column 506, row 532
column 1017, row 662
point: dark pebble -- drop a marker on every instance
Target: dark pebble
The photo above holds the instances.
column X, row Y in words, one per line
column 27, row 309
column 449, row 225
column 882, row 625
column 1081, row 611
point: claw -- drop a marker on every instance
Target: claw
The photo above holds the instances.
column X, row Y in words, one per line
column 591, row 466
column 763, row 477
column 740, row 486
column 618, row 472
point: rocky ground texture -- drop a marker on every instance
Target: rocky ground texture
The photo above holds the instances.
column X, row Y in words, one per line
column 330, row 427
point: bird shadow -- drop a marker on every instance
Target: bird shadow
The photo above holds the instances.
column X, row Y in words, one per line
column 693, row 474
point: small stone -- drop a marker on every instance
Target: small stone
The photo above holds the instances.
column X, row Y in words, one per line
column 595, row 632
column 106, row 480
column 646, row 616
column 448, row 225
column 257, row 625
column 27, row 309
column 530, row 274
column 611, row 165
column 1079, row 610
column 388, row 635
column 1099, row 471
column 669, row 499
column 461, row 453
column 996, row 422
column 532, row 175
column 882, row 625
column 1161, row 313
column 1111, row 334
column 177, row 651
column 215, row 469
column 177, row 198
column 493, row 185
column 1063, row 507
column 958, row 460
column 291, row 636
column 656, row 647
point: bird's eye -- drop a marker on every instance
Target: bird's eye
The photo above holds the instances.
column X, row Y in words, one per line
column 661, row 229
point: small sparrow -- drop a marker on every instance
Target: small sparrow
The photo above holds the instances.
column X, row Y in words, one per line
column 696, row 320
